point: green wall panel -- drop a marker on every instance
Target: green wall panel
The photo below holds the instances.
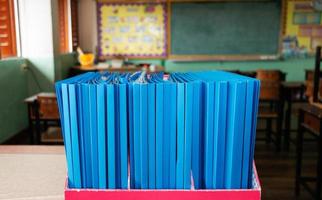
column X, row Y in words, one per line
column 13, row 87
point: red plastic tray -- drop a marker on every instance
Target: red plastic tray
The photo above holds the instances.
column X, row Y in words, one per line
column 135, row 194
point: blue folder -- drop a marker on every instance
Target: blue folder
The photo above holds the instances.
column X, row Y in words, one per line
column 151, row 134
column 111, row 136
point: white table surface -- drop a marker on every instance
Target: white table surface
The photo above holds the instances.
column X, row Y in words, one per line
column 32, row 172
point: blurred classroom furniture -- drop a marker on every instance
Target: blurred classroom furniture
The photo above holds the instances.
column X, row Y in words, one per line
column 32, row 172
column 271, row 104
column 43, row 117
column 76, row 70
column 293, row 92
column 310, row 123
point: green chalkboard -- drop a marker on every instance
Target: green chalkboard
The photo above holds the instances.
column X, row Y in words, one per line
column 225, row 28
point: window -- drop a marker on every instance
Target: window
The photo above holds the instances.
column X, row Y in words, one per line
column 68, row 18
column 7, row 29
column 74, row 24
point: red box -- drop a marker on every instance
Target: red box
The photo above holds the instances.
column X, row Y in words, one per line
column 135, row 194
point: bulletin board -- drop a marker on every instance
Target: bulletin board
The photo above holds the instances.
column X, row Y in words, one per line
column 133, row 30
column 303, row 27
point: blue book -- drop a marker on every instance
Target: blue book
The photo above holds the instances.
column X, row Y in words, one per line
column 74, row 136
column 235, row 130
column 180, row 134
column 166, row 135
column 131, row 134
column 93, row 133
column 253, row 136
column 111, row 136
column 136, row 135
column 123, row 136
column 151, row 134
column 209, row 134
column 172, row 112
column 220, row 134
column 67, row 134
column 188, row 136
column 101, row 133
column 144, row 136
column 196, row 135
column 87, row 138
column 159, row 135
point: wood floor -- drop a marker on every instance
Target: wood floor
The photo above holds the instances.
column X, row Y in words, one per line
column 277, row 170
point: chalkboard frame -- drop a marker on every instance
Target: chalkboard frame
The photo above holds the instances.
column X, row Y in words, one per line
column 223, row 57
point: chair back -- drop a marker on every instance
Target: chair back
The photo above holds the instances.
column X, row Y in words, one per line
column 270, row 84
column 48, row 108
column 309, row 77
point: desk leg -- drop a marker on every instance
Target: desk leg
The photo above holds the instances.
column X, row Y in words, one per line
column 288, row 124
column 299, row 150
column 38, row 131
column 279, row 126
column 319, row 166
column 30, row 124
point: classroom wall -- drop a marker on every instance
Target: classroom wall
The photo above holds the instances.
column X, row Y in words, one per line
column 88, row 41
column 13, row 87
column 295, row 68
column 18, row 83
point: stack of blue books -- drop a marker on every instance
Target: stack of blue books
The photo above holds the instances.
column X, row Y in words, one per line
column 182, row 130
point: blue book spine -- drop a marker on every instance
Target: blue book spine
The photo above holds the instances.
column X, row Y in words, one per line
column 247, row 133
column 136, row 134
column 159, row 136
column 87, row 138
column 101, row 133
column 67, row 138
column 111, row 136
column 151, row 134
column 238, row 137
column 188, row 136
column 196, row 132
column 123, row 136
column 117, row 136
column 81, row 133
column 180, row 134
column 219, row 134
column 166, row 136
column 254, row 126
column 131, row 136
column 144, row 136
column 173, row 129
column 93, row 133
column 235, row 131
column 74, row 136
column 209, row 134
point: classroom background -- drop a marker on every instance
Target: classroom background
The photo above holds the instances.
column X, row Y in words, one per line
column 275, row 41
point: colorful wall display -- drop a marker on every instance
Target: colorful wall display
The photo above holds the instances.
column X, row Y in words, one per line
column 132, row 30
column 303, row 28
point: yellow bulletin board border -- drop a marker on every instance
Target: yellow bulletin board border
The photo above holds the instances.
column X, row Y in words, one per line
column 138, row 55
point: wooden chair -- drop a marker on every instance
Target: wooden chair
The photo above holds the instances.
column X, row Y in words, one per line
column 309, row 79
column 271, row 104
column 47, row 114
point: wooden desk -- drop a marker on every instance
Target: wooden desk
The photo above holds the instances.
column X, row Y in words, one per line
column 34, row 118
column 292, row 92
column 32, row 172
